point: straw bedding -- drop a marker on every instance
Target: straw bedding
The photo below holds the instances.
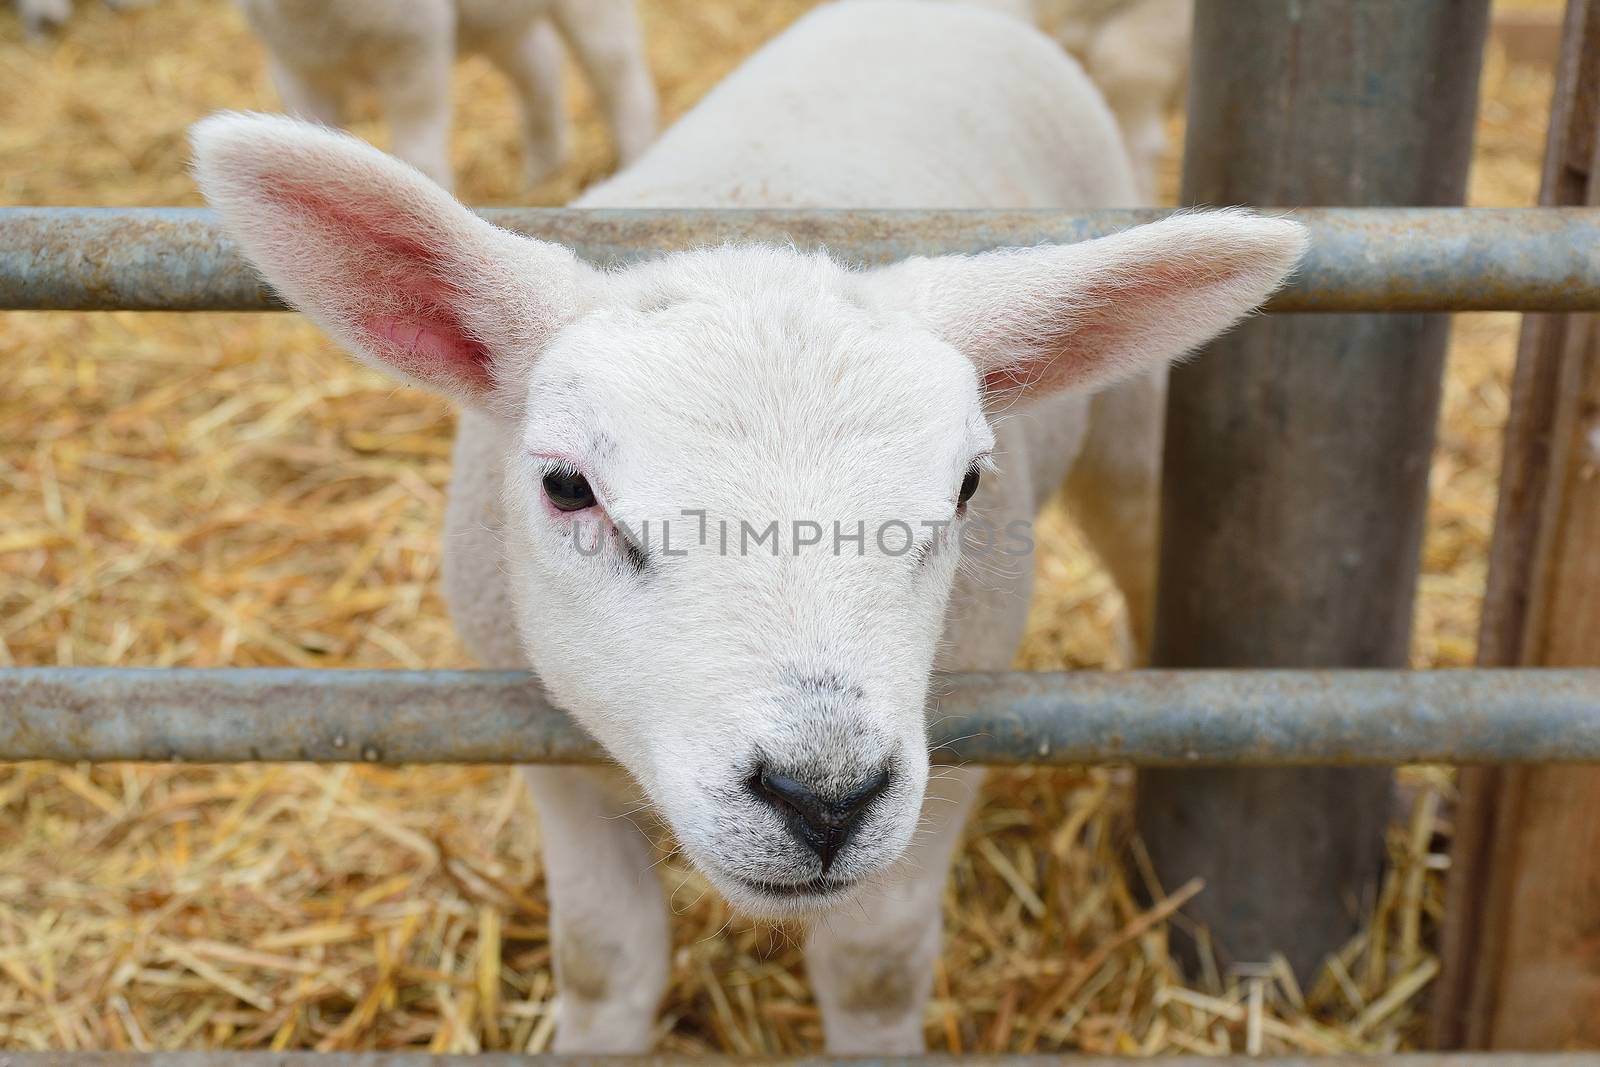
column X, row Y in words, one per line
column 228, row 490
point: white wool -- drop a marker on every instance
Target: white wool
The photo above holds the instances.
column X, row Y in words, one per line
column 766, row 384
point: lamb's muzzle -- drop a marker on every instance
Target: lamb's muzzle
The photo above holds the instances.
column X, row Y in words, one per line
column 821, row 824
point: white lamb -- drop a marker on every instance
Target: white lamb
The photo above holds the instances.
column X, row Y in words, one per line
column 768, row 699
column 319, row 50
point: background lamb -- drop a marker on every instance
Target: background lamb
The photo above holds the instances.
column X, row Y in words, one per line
column 1137, row 52
column 40, row 17
column 321, row 50
column 743, row 691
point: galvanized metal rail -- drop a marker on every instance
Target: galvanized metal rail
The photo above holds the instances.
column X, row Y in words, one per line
column 1160, row 718
column 1361, row 259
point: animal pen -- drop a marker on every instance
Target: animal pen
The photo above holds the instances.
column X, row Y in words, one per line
column 1303, row 571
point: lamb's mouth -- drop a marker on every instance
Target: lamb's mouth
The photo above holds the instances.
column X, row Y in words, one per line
column 816, row 888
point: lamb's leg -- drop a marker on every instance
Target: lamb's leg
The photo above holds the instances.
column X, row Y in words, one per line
column 305, row 97
column 608, row 917
column 43, row 17
column 871, row 964
column 1113, row 493
column 609, row 929
column 605, row 37
column 533, row 63
column 415, row 95
column 1140, row 59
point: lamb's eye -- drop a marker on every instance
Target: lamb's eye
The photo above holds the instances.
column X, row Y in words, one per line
column 969, row 485
column 568, row 490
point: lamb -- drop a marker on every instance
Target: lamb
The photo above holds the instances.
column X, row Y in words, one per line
column 637, row 445
column 1137, row 52
column 320, row 49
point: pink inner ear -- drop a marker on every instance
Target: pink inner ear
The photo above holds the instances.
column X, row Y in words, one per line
column 398, row 287
column 423, row 349
column 1093, row 335
column 1017, row 376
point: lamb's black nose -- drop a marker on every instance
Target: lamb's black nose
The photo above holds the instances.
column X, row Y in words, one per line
column 823, row 825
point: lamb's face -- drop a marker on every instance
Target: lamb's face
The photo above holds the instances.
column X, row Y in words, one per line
column 785, row 469
column 763, row 679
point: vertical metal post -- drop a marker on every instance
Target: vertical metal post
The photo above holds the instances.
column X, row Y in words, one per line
column 1298, row 448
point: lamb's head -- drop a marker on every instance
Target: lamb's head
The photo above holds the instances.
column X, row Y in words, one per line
column 735, row 478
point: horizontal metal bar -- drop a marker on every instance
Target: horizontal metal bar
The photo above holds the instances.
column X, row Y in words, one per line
column 1361, row 259
column 492, row 1059
column 1153, row 718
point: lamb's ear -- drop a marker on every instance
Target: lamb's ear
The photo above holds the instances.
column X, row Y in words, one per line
column 1081, row 316
column 385, row 261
